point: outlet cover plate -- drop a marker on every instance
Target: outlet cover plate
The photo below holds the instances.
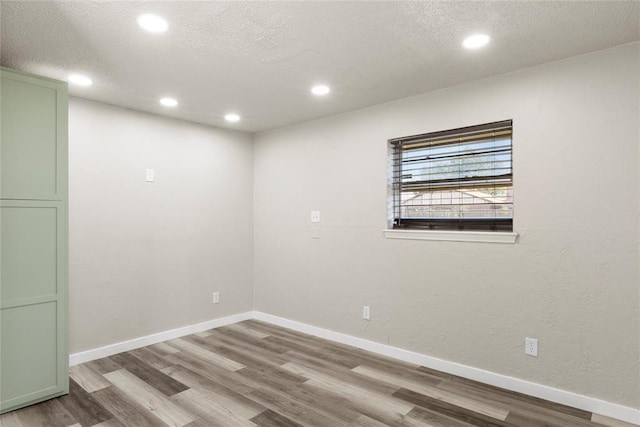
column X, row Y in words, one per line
column 531, row 347
column 366, row 312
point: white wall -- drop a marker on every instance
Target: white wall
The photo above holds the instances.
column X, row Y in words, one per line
column 572, row 280
column 145, row 257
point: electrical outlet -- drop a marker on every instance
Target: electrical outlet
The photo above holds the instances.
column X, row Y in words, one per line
column 216, row 297
column 315, row 216
column 531, row 347
column 366, row 312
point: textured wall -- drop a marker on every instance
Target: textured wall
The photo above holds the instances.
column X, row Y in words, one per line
column 572, row 280
column 145, row 257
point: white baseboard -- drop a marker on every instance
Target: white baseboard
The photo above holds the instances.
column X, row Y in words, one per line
column 575, row 400
column 568, row 398
column 109, row 350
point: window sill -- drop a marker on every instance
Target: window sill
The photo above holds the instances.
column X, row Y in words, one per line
column 453, row 236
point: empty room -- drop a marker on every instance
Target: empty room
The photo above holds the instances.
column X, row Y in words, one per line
column 319, row 213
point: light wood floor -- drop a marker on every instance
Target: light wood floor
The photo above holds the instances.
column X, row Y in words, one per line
column 253, row 373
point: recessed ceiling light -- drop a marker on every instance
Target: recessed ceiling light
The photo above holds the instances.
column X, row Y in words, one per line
column 80, row 80
column 232, row 117
column 320, row 90
column 168, row 102
column 476, row 41
column 153, row 23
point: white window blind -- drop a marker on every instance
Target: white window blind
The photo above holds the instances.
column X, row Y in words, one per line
column 460, row 179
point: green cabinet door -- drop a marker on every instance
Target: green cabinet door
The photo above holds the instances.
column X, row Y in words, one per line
column 33, row 240
column 33, row 156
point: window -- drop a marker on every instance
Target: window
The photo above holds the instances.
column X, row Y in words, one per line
column 458, row 179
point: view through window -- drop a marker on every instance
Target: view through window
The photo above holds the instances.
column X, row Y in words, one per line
column 460, row 179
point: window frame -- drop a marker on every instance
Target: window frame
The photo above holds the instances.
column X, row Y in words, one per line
column 446, row 226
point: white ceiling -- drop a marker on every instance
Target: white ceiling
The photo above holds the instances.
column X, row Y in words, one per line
column 259, row 59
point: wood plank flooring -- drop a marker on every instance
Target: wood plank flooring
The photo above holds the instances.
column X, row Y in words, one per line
column 257, row 374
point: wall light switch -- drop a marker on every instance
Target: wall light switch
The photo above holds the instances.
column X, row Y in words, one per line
column 150, row 177
column 315, row 216
column 216, row 297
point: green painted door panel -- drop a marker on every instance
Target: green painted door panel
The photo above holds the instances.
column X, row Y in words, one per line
column 34, row 360
column 29, row 351
column 29, row 251
column 33, row 156
column 33, row 302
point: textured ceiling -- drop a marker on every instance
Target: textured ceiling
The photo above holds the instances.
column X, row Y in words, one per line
column 259, row 59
